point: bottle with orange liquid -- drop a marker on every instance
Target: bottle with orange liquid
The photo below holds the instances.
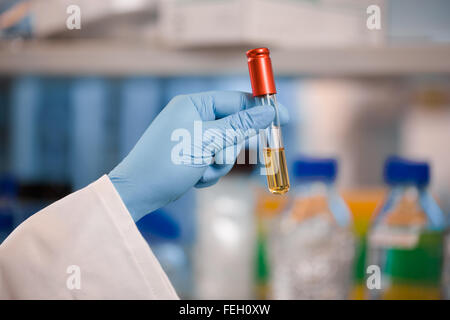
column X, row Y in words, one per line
column 406, row 238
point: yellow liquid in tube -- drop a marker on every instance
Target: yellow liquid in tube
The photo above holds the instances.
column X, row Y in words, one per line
column 276, row 170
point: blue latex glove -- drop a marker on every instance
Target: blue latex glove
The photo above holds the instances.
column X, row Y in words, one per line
column 149, row 178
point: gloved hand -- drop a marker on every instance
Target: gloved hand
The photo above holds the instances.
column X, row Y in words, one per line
column 178, row 149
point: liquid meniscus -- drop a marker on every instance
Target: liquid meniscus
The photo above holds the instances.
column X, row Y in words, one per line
column 276, row 170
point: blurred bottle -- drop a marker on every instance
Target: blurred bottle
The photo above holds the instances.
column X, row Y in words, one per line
column 268, row 206
column 53, row 123
column 312, row 245
column 17, row 20
column 25, row 146
column 406, row 238
column 90, row 109
column 8, row 206
column 226, row 239
column 446, row 265
column 362, row 203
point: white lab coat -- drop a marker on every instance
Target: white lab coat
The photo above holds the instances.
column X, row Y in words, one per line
column 86, row 240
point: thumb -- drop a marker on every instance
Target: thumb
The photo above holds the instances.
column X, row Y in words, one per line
column 237, row 127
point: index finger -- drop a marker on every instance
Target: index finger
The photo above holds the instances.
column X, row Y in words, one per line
column 213, row 105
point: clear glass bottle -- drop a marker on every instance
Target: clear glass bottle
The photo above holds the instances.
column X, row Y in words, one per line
column 226, row 238
column 312, row 244
column 406, row 237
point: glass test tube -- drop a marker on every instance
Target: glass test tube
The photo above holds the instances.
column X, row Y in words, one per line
column 264, row 91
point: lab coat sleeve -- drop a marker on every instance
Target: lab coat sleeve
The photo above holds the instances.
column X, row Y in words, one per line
column 84, row 246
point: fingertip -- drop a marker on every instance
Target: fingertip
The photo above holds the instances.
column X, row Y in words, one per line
column 213, row 173
column 205, row 184
column 222, row 103
column 262, row 116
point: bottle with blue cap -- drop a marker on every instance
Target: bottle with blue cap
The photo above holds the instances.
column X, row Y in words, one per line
column 406, row 237
column 312, row 246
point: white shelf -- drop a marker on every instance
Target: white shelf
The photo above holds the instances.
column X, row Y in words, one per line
column 102, row 57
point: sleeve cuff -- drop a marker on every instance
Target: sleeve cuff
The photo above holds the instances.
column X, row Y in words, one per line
column 149, row 267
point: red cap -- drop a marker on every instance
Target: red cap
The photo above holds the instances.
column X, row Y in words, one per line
column 260, row 69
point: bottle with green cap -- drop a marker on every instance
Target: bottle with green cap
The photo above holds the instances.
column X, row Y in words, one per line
column 406, row 238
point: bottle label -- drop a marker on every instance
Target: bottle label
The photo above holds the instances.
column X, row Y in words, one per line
column 410, row 255
column 389, row 238
column 401, row 227
column 309, row 207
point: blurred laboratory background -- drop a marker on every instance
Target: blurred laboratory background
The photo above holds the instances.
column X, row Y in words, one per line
column 74, row 101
